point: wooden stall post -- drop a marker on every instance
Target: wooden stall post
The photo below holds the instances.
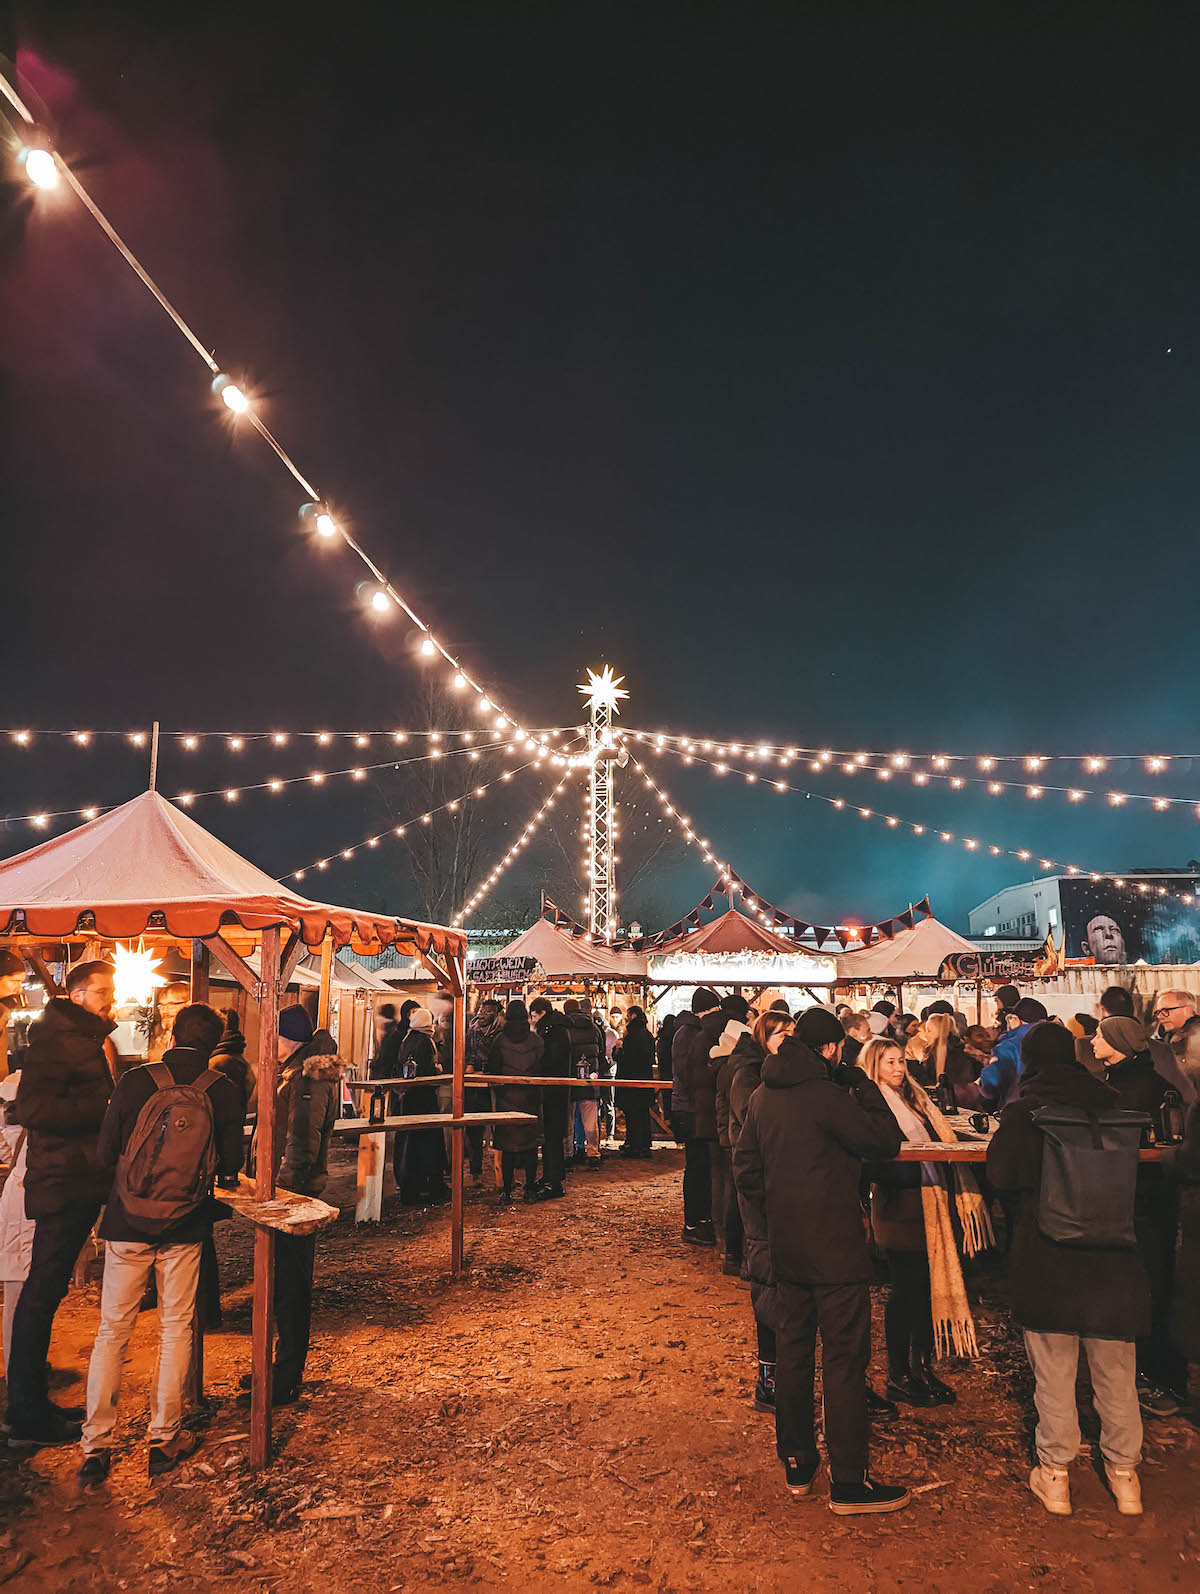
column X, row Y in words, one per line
column 458, row 986
column 323, row 994
column 264, row 1189
column 200, row 961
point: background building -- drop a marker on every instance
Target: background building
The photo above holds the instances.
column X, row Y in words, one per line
column 1133, row 918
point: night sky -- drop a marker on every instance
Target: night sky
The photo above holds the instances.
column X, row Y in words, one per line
column 834, row 372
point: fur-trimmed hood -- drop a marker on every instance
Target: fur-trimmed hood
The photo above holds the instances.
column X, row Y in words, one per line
column 332, row 1068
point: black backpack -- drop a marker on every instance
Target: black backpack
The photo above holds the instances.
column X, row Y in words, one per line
column 1089, row 1176
column 165, row 1172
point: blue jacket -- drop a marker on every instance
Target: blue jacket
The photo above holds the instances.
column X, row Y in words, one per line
column 1000, row 1080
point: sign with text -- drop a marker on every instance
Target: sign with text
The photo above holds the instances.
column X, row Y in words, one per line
column 503, row 971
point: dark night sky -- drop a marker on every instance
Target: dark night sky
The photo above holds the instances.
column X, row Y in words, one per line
column 809, row 363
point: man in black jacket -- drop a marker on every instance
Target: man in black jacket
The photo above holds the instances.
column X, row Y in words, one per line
column 694, row 1109
column 556, row 1099
column 64, row 1091
column 634, row 1058
column 798, row 1166
column 133, row 1254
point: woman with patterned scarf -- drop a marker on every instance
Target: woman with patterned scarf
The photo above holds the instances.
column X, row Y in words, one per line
column 927, row 1310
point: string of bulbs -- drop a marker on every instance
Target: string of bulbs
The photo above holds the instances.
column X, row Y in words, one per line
column 517, row 847
column 240, row 741
column 45, row 168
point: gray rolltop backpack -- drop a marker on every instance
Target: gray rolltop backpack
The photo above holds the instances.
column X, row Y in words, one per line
column 166, row 1171
column 1089, row 1176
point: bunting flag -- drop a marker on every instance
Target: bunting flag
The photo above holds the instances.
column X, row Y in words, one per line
column 887, row 930
column 708, row 901
column 924, row 909
column 821, row 934
column 843, row 937
column 906, row 918
column 869, row 934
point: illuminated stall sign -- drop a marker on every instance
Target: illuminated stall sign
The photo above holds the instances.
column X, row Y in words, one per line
column 504, row 971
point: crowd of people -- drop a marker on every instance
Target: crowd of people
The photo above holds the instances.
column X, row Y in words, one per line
column 809, row 1114
column 792, row 1127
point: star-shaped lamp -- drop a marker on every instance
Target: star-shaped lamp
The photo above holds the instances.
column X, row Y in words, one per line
column 604, row 690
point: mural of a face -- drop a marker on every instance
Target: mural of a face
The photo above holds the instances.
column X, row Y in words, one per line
column 1104, row 940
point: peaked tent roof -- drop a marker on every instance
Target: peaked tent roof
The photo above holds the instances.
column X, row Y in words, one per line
column 907, row 955
column 566, row 956
column 732, row 932
column 147, row 865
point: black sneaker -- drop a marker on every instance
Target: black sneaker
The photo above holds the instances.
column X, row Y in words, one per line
column 910, row 1391
column 44, row 1432
column 799, row 1474
column 707, row 1230
column 879, row 1409
column 164, row 1458
column 697, row 1236
column 867, row 1497
column 555, row 1192
column 941, row 1394
column 281, row 1395
column 94, row 1469
column 1156, row 1402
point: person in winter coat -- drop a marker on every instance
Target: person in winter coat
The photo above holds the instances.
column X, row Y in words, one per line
column 134, row 1253
column 727, row 1217
column 228, row 1058
column 798, row 1168
column 482, row 1033
column 386, row 1062
column 1122, row 1048
column 16, row 1230
column 307, row 1104
column 910, row 1219
column 1176, row 1012
column 556, row 1099
column 634, row 1058
column 66, row 1082
column 745, row 1066
column 1000, row 1080
column 517, row 1050
column 662, row 1045
column 586, row 1063
column 1064, row 1295
column 1185, row 1305
column 419, row 1155
column 694, row 1109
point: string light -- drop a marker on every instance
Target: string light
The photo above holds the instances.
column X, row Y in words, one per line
column 490, row 880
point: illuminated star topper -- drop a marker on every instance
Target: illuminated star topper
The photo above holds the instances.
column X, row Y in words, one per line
column 603, row 690
column 135, row 977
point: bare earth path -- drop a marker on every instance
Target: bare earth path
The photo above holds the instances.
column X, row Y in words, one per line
column 575, row 1413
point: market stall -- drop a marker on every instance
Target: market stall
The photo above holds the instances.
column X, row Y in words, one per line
column 911, row 958
column 146, row 871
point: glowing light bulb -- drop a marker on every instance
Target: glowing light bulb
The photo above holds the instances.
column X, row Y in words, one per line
column 21, row 738
column 41, row 168
column 190, row 742
column 83, row 737
column 275, row 785
column 380, row 601
column 427, row 647
column 460, row 680
column 40, row 820
column 231, row 795
column 231, row 395
column 326, row 525
column 89, row 813
column 138, row 738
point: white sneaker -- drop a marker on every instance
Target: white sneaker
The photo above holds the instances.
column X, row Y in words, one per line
column 1127, row 1490
column 1053, row 1488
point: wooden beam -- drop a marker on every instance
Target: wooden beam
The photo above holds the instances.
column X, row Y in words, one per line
column 34, row 959
column 435, row 968
column 323, row 994
column 235, row 965
column 264, row 1189
column 200, row 962
column 292, row 954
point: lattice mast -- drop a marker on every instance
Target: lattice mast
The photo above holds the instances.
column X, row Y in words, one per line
column 603, row 693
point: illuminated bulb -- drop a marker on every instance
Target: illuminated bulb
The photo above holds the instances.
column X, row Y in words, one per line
column 234, row 398
column 1033, row 791
column 326, row 525
column 970, row 845
column 358, row 774
column 850, row 769
column 920, row 779
column 940, row 762
column 475, row 754
column 40, row 820
column 1118, row 882
column 946, row 835
column 186, row 798
column 987, row 763
column 918, row 830
column 399, row 736
column 838, row 802
column 317, row 776
column 138, row 738
column 721, row 769
column 1075, row 796
column 1116, row 798
column 865, row 812
column 884, row 774
column 90, row 813
column 399, row 830
column 381, row 603
column 1095, row 765
column 957, row 782
column 1047, row 863
column 427, row 647
column 236, row 744
column 362, row 741
column 893, row 822
column 1034, row 762
column 323, row 864
column 780, row 785
column 21, row 738
column 1160, row 803
column 995, row 851
column 299, row 875
column 83, row 738
column 323, row 738
column 460, row 680
column 484, row 705
column 1024, row 856
column 275, row 785
column 1156, row 764
column 995, row 787
column 231, row 795
column 41, row 168
column 347, row 852
column 280, row 739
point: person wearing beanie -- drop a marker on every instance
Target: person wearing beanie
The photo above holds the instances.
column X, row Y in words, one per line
column 798, row 1167
column 727, row 1218
column 1000, row 1080
column 1122, row 1048
column 634, row 1058
column 1063, row 1295
column 419, row 1155
column 779, row 1005
column 694, row 1109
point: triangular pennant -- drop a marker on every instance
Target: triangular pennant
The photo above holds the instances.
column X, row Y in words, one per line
column 924, row 908
column 906, row 918
column 708, row 901
column 694, row 916
column 887, row 929
column 843, row 938
column 821, row 934
column 870, row 932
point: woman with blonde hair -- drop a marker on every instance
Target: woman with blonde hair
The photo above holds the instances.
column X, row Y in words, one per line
column 947, row 1056
column 927, row 1310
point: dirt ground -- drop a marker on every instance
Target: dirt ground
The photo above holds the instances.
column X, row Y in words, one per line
column 575, row 1412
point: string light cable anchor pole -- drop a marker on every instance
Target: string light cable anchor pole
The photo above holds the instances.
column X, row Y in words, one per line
column 602, row 693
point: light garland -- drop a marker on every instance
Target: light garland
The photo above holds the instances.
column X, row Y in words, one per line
column 44, row 167
column 1154, row 762
column 452, row 805
column 517, row 847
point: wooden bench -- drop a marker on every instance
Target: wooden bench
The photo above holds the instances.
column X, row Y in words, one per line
column 372, row 1142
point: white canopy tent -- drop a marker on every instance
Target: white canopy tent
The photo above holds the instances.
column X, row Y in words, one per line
column 914, row 954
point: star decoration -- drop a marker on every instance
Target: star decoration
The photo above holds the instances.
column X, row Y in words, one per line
column 604, row 690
